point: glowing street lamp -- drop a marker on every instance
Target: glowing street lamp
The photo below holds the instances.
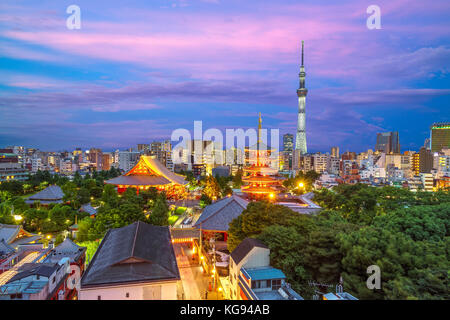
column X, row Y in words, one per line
column 18, row 217
column 301, row 185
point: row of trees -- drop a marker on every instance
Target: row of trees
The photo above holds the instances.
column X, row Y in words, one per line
column 118, row 211
column 406, row 234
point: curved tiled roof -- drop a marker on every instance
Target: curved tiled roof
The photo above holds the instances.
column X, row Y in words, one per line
column 155, row 174
column 50, row 194
column 138, row 181
column 218, row 215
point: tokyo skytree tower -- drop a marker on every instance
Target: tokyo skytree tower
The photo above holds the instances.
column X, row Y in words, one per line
column 300, row 139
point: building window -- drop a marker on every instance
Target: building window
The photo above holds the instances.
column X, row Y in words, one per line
column 276, row 284
column 127, row 295
column 99, row 297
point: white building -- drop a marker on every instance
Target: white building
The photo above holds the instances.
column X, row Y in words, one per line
column 128, row 159
column 136, row 262
column 427, row 181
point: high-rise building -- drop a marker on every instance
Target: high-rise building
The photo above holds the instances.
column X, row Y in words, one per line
column 127, row 160
column 388, row 142
column 288, row 142
column 335, row 152
column 300, row 138
column 440, row 136
column 286, row 156
column 143, row 147
column 425, row 160
column 106, row 161
column 96, row 157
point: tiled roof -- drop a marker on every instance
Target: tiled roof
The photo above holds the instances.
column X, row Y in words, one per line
column 138, row 181
column 157, row 174
column 241, row 251
column 39, row 269
column 67, row 249
column 88, row 209
column 218, row 215
column 5, row 249
column 50, row 194
column 8, row 232
column 139, row 252
column 185, row 233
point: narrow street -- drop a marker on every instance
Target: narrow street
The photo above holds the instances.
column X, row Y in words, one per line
column 194, row 281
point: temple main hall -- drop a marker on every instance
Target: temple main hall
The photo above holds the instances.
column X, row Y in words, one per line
column 150, row 173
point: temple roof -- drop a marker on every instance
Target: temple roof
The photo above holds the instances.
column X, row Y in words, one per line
column 15, row 235
column 51, row 194
column 218, row 215
column 264, row 170
column 88, row 208
column 148, row 172
column 5, row 249
column 256, row 189
column 261, row 179
column 138, row 181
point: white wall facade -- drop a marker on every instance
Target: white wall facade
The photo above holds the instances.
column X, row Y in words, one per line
column 143, row 291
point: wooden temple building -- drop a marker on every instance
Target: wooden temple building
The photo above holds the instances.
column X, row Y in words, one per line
column 150, row 173
column 260, row 180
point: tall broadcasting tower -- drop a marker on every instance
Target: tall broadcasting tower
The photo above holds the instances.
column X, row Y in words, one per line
column 300, row 139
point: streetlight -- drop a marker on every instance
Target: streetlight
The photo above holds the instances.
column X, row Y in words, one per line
column 301, row 185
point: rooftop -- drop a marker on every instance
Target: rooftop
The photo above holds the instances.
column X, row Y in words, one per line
column 139, row 252
column 51, row 194
column 263, row 273
column 218, row 215
column 67, row 249
column 241, row 251
column 147, row 172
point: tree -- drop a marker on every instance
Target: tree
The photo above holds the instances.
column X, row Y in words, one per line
column 160, row 212
column 83, row 196
column 257, row 216
column 84, row 230
column 211, row 188
column 237, row 179
column 77, row 179
column 70, row 191
column 96, row 192
column 110, row 196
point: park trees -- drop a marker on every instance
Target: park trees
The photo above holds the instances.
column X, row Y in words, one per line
column 160, row 212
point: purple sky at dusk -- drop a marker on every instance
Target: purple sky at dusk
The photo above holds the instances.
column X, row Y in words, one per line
column 137, row 70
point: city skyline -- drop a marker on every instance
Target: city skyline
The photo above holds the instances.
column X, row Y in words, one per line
column 124, row 79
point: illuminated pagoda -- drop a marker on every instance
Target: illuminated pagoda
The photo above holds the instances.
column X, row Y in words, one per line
column 260, row 180
column 150, row 173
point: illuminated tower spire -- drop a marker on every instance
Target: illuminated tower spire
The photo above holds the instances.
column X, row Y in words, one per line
column 259, row 128
column 300, row 139
column 258, row 144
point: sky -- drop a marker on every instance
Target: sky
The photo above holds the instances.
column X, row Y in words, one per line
column 138, row 70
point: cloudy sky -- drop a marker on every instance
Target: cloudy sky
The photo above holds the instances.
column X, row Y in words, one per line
column 137, row 70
